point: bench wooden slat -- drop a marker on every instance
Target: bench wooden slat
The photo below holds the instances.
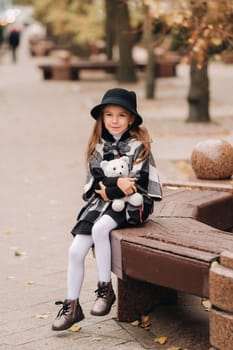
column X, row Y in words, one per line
column 199, row 205
column 190, row 233
column 195, row 196
column 165, row 269
column 170, row 247
column 184, row 246
column 190, row 240
column 118, row 238
column 94, row 64
column 181, row 232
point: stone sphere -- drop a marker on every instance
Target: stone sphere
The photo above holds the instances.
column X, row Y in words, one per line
column 212, row 159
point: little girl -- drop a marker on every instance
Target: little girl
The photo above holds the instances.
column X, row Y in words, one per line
column 117, row 132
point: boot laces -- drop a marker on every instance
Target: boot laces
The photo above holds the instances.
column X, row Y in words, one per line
column 64, row 309
column 101, row 291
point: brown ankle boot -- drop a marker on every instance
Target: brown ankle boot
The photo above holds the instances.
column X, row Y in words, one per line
column 105, row 299
column 70, row 313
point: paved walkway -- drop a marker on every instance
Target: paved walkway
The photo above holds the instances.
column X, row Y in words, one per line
column 43, row 133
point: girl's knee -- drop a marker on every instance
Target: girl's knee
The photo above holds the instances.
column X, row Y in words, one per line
column 102, row 228
column 99, row 233
column 79, row 248
column 73, row 252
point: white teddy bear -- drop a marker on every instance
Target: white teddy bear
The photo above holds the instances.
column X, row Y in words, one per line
column 120, row 167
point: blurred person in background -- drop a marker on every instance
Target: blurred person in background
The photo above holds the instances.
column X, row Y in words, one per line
column 14, row 41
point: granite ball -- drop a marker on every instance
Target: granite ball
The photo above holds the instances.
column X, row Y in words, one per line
column 212, row 159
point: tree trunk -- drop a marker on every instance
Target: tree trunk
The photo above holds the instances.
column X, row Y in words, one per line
column 126, row 72
column 198, row 96
column 150, row 68
column 110, row 27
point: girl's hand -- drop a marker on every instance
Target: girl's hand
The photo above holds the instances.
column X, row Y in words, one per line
column 127, row 185
column 102, row 192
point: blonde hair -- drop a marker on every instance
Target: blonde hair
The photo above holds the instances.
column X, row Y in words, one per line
column 140, row 133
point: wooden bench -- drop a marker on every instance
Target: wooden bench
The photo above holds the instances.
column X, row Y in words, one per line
column 58, row 70
column 186, row 248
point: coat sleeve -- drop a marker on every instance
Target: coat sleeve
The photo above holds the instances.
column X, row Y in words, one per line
column 146, row 173
column 94, row 175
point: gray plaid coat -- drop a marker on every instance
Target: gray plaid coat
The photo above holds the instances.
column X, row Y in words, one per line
column 145, row 172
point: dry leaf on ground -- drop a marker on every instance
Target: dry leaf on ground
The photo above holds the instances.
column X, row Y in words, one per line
column 42, row 316
column 161, row 340
column 29, row 283
column 75, row 328
column 175, row 348
column 143, row 323
column 18, row 253
column 206, row 304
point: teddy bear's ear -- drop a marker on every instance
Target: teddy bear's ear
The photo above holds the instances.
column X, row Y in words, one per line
column 125, row 159
column 103, row 164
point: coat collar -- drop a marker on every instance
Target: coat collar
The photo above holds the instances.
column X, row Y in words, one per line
column 108, row 137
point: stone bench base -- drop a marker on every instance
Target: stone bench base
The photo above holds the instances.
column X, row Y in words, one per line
column 221, row 298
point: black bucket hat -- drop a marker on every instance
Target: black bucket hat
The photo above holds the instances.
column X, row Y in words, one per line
column 121, row 97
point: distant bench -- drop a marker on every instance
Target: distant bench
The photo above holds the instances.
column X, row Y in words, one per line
column 184, row 248
column 58, row 70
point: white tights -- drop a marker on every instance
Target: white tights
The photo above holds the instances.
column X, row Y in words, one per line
column 78, row 252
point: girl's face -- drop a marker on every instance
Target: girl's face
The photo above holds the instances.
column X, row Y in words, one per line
column 116, row 119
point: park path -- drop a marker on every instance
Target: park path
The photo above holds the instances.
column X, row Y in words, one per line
column 43, row 132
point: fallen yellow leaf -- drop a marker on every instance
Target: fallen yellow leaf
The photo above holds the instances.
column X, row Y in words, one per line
column 206, row 304
column 18, row 253
column 161, row 340
column 97, row 338
column 174, row 348
column 42, row 316
column 29, row 283
column 75, row 328
column 135, row 323
column 145, row 322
